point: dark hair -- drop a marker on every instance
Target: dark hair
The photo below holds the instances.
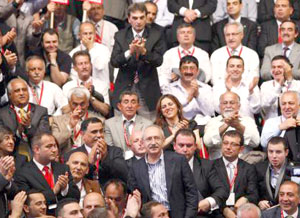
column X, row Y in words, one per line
column 160, row 119
column 282, row 57
column 62, row 203
column 31, row 192
column 234, row 133
column 118, row 183
column 146, row 210
column 185, row 25
column 37, row 139
column 80, row 53
column 189, row 59
column 277, row 140
column 185, row 132
column 137, row 7
column 85, row 123
column 128, row 92
column 291, row 21
column 50, row 32
column 4, row 130
column 234, row 57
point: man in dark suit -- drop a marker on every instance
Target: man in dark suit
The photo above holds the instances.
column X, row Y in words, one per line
column 22, row 118
column 211, row 193
column 234, row 8
column 271, row 173
column 289, row 198
column 106, row 162
column 164, row 177
column 137, row 52
column 237, row 176
column 53, row 179
column 198, row 15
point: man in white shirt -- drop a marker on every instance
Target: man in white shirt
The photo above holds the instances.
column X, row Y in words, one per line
column 234, row 33
column 42, row 92
column 168, row 71
column 248, row 91
column 229, row 120
column 283, row 81
column 195, row 96
column 100, row 54
column 288, row 48
column 99, row 100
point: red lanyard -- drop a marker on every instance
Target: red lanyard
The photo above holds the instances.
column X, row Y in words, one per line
column 125, row 135
column 99, row 38
column 179, row 55
column 17, row 115
column 231, row 183
column 230, row 53
column 38, row 101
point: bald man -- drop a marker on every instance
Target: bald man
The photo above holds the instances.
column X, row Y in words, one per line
column 91, row 201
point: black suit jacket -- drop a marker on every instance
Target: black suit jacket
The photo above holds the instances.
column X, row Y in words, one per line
column 181, row 187
column 245, row 183
column 250, row 33
column 145, row 65
column 39, row 120
column 292, row 137
column 30, row 177
column 201, row 25
column 261, row 170
column 112, row 167
column 275, row 213
column 208, row 182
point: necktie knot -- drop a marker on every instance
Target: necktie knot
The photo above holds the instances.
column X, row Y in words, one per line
column 46, row 169
column 285, row 50
column 230, row 166
column 233, row 52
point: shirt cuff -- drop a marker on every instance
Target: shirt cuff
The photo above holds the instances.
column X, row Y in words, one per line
column 65, row 191
column 1, row 76
column 198, row 13
column 182, row 11
column 213, row 203
column 127, row 54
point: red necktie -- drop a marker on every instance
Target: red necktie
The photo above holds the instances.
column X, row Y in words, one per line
column 48, row 176
column 279, row 35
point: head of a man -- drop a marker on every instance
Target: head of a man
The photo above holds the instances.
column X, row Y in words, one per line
column 68, row 208
column 44, row 147
column 232, row 145
column 289, row 197
column 235, row 68
column 7, row 141
column 79, row 165
column 50, row 41
column 186, row 35
column 234, row 34
column 153, row 139
column 35, row 204
column 289, row 104
column 87, row 31
column 96, row 12
column 151, row 12
column 283, row 10
column 137, row 16
column 234, row 8
column 189, row 70
column 91, row 201
column 17, row 90
column 277, row 151
column 153, row 209
column 115, row 190
column 35, row 69
column 289, row 32
column 82, row 64
column 248, row 210
column 277, row 66
column 136, row 143
column 185, row 143
column 128, row 104
column 229, row 103
column 92, row 130
column 60, row 11
column 78, row 98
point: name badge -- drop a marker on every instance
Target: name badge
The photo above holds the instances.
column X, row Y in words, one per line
column 231, row 200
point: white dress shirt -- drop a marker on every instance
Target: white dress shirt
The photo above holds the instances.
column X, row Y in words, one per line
column 213, row 140
column 294, row 215
column 100, row 57
column 164, row 17
column 52, row 97
column 219, row 59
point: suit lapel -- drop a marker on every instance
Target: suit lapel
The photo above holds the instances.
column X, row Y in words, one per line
column 222, row 171
column 129, row 35
column 294, row 53
column 197, row 172
column 144, row 175
column 11, row 119
column 240, row 174
column 169, row 169
column 120, row 132
column 38, row 175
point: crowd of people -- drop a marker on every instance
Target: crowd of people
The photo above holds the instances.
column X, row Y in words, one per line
column 161, row 108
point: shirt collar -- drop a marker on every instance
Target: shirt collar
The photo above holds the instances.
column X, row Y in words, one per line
column 135, row 33
column 79, row 80
column 41, row 166
column 25, row 108
column 290, row 46
column 295, row 215
column 226, row 162
column 191, row 163
column 88, row 149
column 190, row 49
column 132, row 119
column 238, row 49
column 32, row 84
column 231, row 20
column 160, row 158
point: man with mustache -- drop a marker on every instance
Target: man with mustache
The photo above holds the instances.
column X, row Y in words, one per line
column 288, row 47
column 195, row 96
column 164, row 176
